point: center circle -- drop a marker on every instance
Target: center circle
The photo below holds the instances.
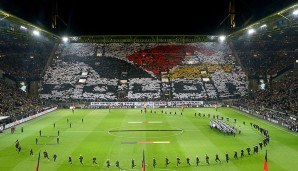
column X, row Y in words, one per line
column 145, row 131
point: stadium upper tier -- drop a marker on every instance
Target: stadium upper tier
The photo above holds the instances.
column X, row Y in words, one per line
column 138, row 71
column 273, row 53
column 24, row 58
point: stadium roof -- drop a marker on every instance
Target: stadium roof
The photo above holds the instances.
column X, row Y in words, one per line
column 143, row 18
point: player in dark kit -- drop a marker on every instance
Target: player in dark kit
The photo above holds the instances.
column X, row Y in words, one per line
column 133, row 163
column 154, row 162
column 81, row 158
column 248, row 150
column 235, row 155
column 261, row 145
column 69, row 159
column 45, row 155
column 17, row 144
column 227, row 157
column 256, row 149
column 178, row 161
column 242, row 153
column 31, row 152
column 207, row 159
column 117, row 164
column 197, row 160
column 55, row 157
column 217, row 158
column 167, row 162
column 94, row 160
column 108, row 163
column 188, row 161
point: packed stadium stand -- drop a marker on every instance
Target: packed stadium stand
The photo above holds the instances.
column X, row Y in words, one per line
column 268, row 54
column 87, row 69
column 23, row 57
column 93, row 71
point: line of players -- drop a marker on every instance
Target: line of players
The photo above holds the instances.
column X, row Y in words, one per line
column 167, row 162
column 207, row 158
column 162, row 111
column 154, row 162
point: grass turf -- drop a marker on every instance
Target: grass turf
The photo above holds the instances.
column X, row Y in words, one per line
column 123, row 134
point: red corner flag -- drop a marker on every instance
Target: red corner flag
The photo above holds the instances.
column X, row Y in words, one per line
column 265, row 163
column 37, row 165
column 143, row 162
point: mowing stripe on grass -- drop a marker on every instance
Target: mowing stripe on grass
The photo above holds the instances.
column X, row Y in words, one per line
column 154, row 122
column 48, row 136
column 129, row 142
column 146, row 130
column 146, row 122
column 146, row 142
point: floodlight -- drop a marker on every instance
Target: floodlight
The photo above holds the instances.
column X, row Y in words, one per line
column 295, row 12
column 222, row 38
column 263, row 26
column 251, row 31
column 35, row 32
column 23, row 27
column 65, row 39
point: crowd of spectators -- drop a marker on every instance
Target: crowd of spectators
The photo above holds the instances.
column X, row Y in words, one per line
column 79, row 68
column 134, row 71
column 24, row 58
column 278, row 102
column 15, row 103
column 267, row 55
column 271, row 56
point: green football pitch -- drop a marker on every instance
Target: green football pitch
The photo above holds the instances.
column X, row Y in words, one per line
column 124, row 134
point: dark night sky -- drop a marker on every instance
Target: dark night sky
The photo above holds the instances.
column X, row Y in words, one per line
column 142, row 18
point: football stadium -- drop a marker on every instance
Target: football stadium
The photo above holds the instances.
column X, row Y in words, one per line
column 150, row 102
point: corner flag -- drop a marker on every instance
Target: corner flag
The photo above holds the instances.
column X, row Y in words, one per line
column 37, row 165
column 143, row 162
column 265, row 163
